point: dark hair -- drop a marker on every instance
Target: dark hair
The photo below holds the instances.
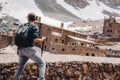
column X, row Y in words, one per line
column 31, row 16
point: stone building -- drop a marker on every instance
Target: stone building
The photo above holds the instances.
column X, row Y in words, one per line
column 5, row 39
column 111, row 28
column 62, row 41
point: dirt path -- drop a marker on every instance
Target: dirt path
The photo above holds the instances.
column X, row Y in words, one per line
column 9, row 55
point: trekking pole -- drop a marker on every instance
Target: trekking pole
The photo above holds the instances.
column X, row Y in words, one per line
column 42, row 48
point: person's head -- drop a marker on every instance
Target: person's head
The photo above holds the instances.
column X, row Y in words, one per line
column 31, row 17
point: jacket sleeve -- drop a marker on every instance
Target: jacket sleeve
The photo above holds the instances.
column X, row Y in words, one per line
column 36, row 32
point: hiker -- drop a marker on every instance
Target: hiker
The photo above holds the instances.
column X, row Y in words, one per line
column 26, row 50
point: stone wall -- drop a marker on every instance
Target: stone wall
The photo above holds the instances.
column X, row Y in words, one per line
column 57, row 35
column 5, row 41
column 82, row 50
column 59, row 42
column 64, row 71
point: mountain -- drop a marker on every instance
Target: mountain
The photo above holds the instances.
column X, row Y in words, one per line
column 96, row 7
column 54, row 12
column 72, row 10
column 64, row 10
column 8, row 23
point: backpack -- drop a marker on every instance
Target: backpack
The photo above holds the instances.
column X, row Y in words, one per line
column 21, row 37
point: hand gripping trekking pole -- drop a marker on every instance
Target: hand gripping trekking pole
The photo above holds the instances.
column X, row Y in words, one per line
column 42, row 48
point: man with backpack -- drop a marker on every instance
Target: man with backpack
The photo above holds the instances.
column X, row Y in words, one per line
column 27, row 35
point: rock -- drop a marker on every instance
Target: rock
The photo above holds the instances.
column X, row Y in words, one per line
column 35, row 67
column 58, row 64
column 85, row 69
column 77, row 73
column 60, row 72
column 53, row 73
column 27, row 67
column 70, row 72
column 5, row 71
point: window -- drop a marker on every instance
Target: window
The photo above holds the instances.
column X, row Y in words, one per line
column 63, row 49
column 53, row 48
column 87, row 54
column 62, row 41
column 110, row 25
column 75, row 43
column 48, row 29
column 82, row 44
column 73, row 49
column 56, row 40
column 93, row 54
column 110, row 30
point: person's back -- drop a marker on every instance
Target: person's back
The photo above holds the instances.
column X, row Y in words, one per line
column 24, row 37
column 26, row 50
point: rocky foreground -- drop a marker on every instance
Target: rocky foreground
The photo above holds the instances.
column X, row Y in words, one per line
column 61, row 67
column 75, row 70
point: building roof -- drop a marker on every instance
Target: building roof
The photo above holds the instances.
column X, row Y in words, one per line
column 66, row 29
column 81, row 39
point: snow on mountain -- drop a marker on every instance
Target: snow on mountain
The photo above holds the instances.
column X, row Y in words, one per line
column 93, row 11
column 20, row 8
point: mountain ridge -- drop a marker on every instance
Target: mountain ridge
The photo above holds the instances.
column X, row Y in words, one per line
column 84, row 3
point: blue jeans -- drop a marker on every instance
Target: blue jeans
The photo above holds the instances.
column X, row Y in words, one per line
column 30, row 53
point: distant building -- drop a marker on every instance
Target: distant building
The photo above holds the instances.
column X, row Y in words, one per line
column 111, row 28
column 62, row 41
column 5, row 39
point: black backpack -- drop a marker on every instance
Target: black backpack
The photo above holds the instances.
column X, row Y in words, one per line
column 21, row 37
